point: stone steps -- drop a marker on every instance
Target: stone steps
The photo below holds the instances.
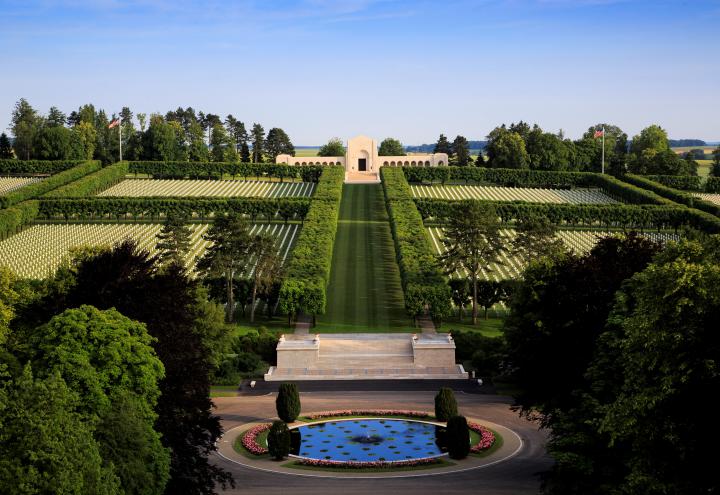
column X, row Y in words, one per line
column 350, row 373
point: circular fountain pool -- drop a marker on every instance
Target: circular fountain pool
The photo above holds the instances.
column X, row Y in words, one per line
column 367, row 440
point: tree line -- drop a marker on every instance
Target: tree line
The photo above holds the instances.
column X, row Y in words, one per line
column 179, row 135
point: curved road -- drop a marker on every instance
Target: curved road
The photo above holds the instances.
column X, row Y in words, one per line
column 517, row 475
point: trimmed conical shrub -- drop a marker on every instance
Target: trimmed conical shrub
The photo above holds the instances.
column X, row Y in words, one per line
column 278, row 440
column 288, row 402
column 445, row 404
column 458, row 437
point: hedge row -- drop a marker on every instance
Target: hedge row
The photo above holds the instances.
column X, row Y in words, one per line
column 673, row 194
column 37, row 189
column 613, row 215
column 508, row 177
column 92, row 183
column 14, row 218
column 216, row 170
column 682, row 182
column 424, row 285
column 27, row 167
column 712, row 185
column 304, row 289
column 154, row 207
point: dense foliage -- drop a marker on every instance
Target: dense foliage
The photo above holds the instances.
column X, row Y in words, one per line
column 92, row 183
column 14, row 218
column 668, row 192
column 278, row 440
column 25, row 167
column 308, row 269
column 287, row 402
column 445, row 404
column 457, row 437
column 424, row 286
column 683, row 182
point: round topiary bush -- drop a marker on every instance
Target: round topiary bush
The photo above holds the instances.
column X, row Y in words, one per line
column 445, row 404
column 457, row 436
column 278, row 440
column 288, row 402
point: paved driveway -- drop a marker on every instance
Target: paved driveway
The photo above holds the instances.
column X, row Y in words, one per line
column 517, row 475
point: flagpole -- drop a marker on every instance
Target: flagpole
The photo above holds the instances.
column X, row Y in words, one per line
column 603, row 151
column 120, row 135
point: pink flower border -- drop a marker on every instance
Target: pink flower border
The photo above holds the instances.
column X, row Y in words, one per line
column 249, row 439
column 370, row 412
column 487, row 438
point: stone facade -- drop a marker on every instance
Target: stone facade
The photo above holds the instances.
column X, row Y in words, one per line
column 362, row 156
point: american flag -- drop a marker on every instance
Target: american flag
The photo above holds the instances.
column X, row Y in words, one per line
column 599, row 134
column 116, row 123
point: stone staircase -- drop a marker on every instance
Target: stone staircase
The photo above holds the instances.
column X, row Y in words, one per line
column 366, row 356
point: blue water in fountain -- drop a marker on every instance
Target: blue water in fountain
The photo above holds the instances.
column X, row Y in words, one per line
column 368, row 440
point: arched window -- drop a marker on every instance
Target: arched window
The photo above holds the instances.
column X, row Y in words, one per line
column 304, row 164
column 392, row 164
column 441, row 163
column 413, row 164
column 407, row 163
column 427, row 163
column 385, row 164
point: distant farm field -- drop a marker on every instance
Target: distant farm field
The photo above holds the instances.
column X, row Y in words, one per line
column 37, row 251
column 221, row 188
column 493, row 193
column 512, row 265
column 307, row 152
column 9, row 184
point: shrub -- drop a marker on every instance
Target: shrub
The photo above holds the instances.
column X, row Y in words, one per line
column 288, row 402
column 445, row 404
column 457, row 435
column 278, row 440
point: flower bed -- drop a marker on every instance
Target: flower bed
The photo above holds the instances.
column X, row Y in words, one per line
column 249, row 439
column 487, row 438
column 369, row 464
column 370, row 412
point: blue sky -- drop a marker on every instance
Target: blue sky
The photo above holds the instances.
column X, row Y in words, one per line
column 407, row 68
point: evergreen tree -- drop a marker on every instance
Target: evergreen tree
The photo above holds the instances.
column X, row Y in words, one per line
column 278, row 143
column 480, row 160
column 258, row 143
column 25, row 125
column 197, row 149
column 536, row 237
column 443, row 146
column 174, row 240
column 458, row 437
column 278, row 440
column 287, row 402
column 461, row 151
column 55, row 118
column 223, row 149
column 239, row 134
column 244, row 153
column 268, row 266
column 445, row 404
column 6, row 150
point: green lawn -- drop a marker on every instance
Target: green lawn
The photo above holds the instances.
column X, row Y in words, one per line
column 365, row 294
column 492, row 327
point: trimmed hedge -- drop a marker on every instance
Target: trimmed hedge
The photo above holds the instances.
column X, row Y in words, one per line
column 14, row 218
column 37, row 189
column 445, row 404
column 92, row 183
column 287, row 402
column 141, row 207
column 424, row 284
column 673, row 194
column 712, row 185
column 682, row 182
column 216, row 170
column 458, row 437
column 27, row 167
column 611, row 215
column 304, row 288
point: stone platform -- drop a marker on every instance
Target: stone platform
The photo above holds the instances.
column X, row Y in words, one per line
column 366, row 356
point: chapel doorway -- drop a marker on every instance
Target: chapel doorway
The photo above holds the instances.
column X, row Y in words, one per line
column 362, row 164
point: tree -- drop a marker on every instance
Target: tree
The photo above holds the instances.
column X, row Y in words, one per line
column 258, row 143
column 443, row 146
column 458, row 437
column 160, row 141
column 506, row 149
column 547, row 151
column 86, row 136
column 535, row 237
column 445, row 404
column 715, row 169
column 268, row 266
column 227, row 255
column 25, row 126
column 167, row 301
column 489, row 293
column 287, row 402
column 652, row 139
column 6, row 151
column 460, row 292
column 223, row 148
column 174, row 240
column 54, row 143
column 473, row 242
column 480, row 160
column 334, row 147
column 244, row 153
column 237, row 131
column 391, row 147
column 48, row 447
column 197, row 149
column 55, row 118
column 278, row 143
column 665, row 162
column 461, row 151
column 278, row 440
